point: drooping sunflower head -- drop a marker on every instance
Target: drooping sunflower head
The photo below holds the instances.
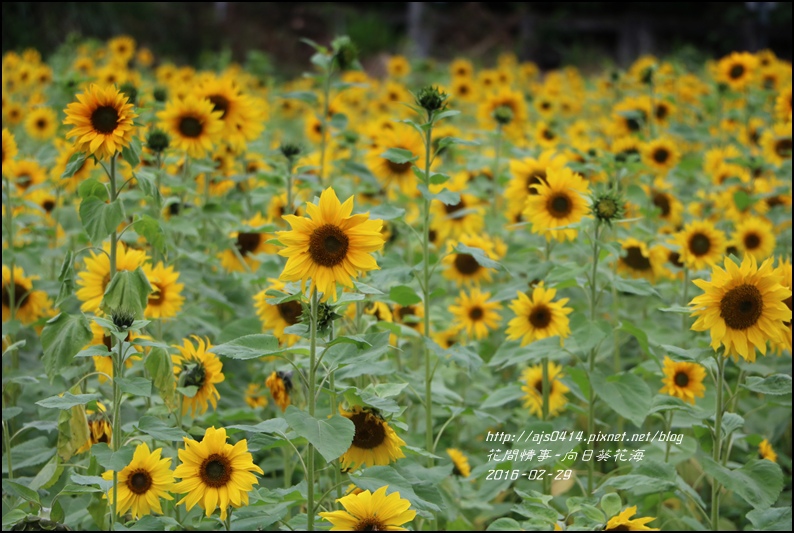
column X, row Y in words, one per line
column 215, row 473
column 192, row 123
column 742, row 307
column 166, row 299
column 374, row 442
column 142, row 483
column 539, row 316
column 195, row 366
column 102, row 120
column 640, row 261
column 560, row 201
column 99, row 428
column 280, row 385
column 365, row 511
column 683, row 380
column 277, row 317
column 624, row 522
column 532, row 386
column 460, row 462
column 330, row 245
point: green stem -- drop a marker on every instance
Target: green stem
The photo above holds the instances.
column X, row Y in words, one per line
column 497, row 157
column 668, row 422
column 715, row 485
column 685, row 316
column 113, row 197
column 592, row 355
column 332, row 386
column 426, row 294
column 228, row 522
column 7, row 442
column 290, row 166
column 324, row 122
column 312, row 400
column 545, row 411
column 118, row 368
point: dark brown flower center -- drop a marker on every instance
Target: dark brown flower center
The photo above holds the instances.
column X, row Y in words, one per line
column 370, row 523
column 41, row 123
column 620, row 527
column 328, row 245
column 157, row 297
column 20, row 296
column 741, row 307
column 139, row 482
column 662, row 201
column 466, row 264
column 290, row 311
column 635, row 260
column 190, row 127
column 370, row 431
column 699, row 244
column 105, row 119
column 752, row 241
column 219, row 103
column 450, row 209
column 661, row 155
column 24, row 181
column 536, row 178
column 399, row 168
column 675, row 259
column 736, row 72
column 406, row 311
column 661, row 111
column 539, row 386
column 559, row 205
column 548, row 134
column 783, row 148
column 540, row 316
column 476, row 313
column 215, row 471
column 247, row 242
column 48, row 205
column 681, row 379
column 787, row 301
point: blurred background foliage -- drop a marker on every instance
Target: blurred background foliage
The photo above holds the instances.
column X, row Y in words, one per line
column 586, row 34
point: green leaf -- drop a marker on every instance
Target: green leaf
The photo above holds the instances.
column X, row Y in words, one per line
column 48, row 475
column 110, row 460
column 759, row 482
column 638, row 334
column 774, row 519
column 57, row 513
column 68, row 400
column 100, row 219
column 445, row 114
column 331, row 436
column 449, row 141
column 151, row 230
column 92, row 188
column 399, row 156
column 75, row 163
column 148, row 185
column 274, row 425
column 189, row 391
column 62, row 337
column 626, row 394
column 132, row 152
column 404, row 295
column 73, row 431
column 157, row 429
column 349, row 339
column 611, row 503
column 504, row 395
column 478, row 255
column 136, row 386
column 249, row 347
column 12, row 517
column 161, row 369
column 742, row 200
column 446, row 196
column 128, row 291
column 375, row 477
column 95, row 350
column 640, row 287
column 504, row 524
column 304, row 96
column 21, row 491
column 776, row 384
column 386, row 212
column 11, row 412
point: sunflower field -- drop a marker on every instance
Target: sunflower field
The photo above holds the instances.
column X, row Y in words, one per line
column 449, row 297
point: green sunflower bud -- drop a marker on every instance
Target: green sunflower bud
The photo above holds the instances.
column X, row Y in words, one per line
column 431, row 98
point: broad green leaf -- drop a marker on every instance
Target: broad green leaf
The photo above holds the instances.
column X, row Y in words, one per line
column 638, row 334
column 248, row 347
column 626, row 394
column 404, row 295
column 96, row 350
column 151, row 230
column 504, row 524
column 48, row 475
column 304, row 96
column 21, row 491
column 136, row 386
column 75, row 163
column 274, row 425
column 758, row 482
column 161, row 369
column 132, row 152
column 386, row 212
column 773, row 519
column 478, row 255
column 92, row 188
column 148, row 185
column 502, row 396
column 66, row 277
column 438, row 179
column 62, row 337
column 399, row 156
column 776, row 384
column 640, row 287
column 100, row 219
column 127, row 291
column 11, row 412
column 446, row 196
column 67, row 401
column 110, row 460
column 331, row 436
column 12, row 517
column 350, row 339
column 158, row 429
column 611, row 503
column 448, row 141
column 375, row 477
column 742, row 200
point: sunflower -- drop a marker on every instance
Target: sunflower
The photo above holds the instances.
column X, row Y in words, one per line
column 99, row 428
column 411, row 316
column 464, row 269
column 528, row 172
column 661, row 155
column 25, row 173
column 626, row 147
column 102, row 120
column 784, row 269
column 539, row 317
column 41, row 123
column 243, row 116
column 395, row 175
column 560, row 202
column 742, row 307
column 255, row 396
column 765, row 451
column 214, row 473
column 755, row 236
column 195, row 366
column 776, row 144
column 331, row 246
column 10, row 149
column 461, row 68
column 701, row 244
column 122, row 48
column 671, row 207
column 276, row 317
column 463, row 89
column 142, row 483
column 95, row 278
column 683, row 380
column 371, row 512
column 642, row 262
column 65, row 152
column 280, row 385
column 783, row 105
column 623, row 522
column 248, row 243
column 29, row 305
column 737, row 69
column 458, row 219
column 166, row 299
column 504, row 97
column 13, row 113
column 533, row 387
column 460, row 462
column 474, row 313
column 631, row 115
column 374, row 442
column 192, row 124
column 398, row 66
